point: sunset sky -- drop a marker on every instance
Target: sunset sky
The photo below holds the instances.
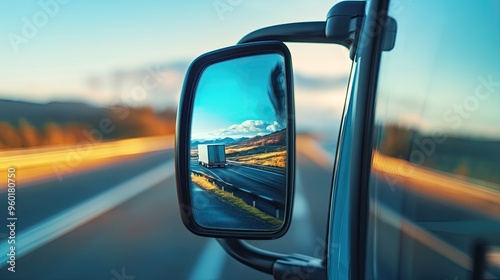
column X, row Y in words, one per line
column 98, row 51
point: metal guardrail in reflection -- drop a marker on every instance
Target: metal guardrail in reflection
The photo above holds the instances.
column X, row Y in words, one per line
column 262, row 203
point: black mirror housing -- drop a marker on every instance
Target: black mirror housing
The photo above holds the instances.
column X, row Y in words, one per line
column 268, row 200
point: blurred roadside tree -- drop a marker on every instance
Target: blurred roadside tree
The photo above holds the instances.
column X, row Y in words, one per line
column 9, row 136
column 53, row 134
column 28, row 133
column 138, row 122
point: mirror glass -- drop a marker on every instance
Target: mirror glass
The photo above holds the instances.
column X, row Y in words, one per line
column 239, row 144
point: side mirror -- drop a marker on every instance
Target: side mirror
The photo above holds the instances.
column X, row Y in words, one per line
column 235, row 143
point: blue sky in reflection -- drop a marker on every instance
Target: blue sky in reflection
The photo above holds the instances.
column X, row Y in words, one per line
column 232, row 99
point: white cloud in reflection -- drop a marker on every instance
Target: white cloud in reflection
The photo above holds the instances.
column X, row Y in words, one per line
column 248, row 128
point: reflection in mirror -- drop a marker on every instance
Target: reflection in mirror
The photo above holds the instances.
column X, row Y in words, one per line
column 238, row 144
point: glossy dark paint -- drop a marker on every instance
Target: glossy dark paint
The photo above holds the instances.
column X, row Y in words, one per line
column 348, row 213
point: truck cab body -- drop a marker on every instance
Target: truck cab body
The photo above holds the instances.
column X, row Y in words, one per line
column 415, row 189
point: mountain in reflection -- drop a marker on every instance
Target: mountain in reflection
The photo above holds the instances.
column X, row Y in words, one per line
column 267, row 150
column 226, row 141
column 262, row 150
column 274, row 138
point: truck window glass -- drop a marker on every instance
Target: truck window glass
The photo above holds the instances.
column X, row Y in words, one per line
column 434, row 189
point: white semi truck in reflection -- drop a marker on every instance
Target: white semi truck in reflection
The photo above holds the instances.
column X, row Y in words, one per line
column 212, row 155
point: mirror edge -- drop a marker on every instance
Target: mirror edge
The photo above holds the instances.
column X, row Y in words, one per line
column 183, row 131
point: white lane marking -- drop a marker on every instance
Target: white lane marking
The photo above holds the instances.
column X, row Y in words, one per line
column 429, row 239
column 416, row 232
column 208, row 170
column 258, row 169
column 64, row 222
column 273, row 174
column 266, row 197
column 251, row 177
column 305, row 231
column 210, row 263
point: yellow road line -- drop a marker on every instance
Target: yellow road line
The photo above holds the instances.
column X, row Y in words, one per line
column 438, row 185
column 43, row 162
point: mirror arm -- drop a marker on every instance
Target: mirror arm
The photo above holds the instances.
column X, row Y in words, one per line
column 281, row 266
column 300, row 32
column 342, row 27
column 251, row 256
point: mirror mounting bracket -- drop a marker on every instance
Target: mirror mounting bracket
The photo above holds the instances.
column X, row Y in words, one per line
column 281, row 266
column 298, row 266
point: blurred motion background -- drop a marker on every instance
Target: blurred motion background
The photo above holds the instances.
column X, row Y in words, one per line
column 88, row 98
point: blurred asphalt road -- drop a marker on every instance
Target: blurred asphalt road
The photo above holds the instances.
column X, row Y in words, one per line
column 122, row 222
column 262, row 182
column 265, row 188
column 143, row 236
